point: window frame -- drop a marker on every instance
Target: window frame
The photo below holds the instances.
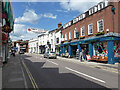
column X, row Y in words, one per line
column 75, row 30
column 70, row 35
column 89, row 29
column 82, row 29
column 65, row 36
column 98, row 26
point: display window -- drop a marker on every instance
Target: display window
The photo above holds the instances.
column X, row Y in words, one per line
column 117, row 49
column 100, row 49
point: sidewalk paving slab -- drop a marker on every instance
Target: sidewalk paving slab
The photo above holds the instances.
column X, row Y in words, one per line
column 12, row 75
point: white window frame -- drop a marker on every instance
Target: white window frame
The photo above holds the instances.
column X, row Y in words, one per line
column 66, row 36
column 99, row 26
column 89, row 29
column 69, row 35
column 82, row 31
column 75, row 30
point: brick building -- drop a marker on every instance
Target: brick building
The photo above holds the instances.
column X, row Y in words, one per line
column 97, row 31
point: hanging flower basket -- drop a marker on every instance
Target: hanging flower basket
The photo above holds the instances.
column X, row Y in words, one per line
column 81, row 37
column 6, row 29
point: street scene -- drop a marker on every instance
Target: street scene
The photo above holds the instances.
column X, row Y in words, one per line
column 59, row 44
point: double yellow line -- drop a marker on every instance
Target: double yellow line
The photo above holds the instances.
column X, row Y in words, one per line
column 30, row 76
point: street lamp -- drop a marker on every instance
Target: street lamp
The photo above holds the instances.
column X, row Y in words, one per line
column 113, row 12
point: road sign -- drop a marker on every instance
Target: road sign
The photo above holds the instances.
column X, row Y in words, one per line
column 36, row 30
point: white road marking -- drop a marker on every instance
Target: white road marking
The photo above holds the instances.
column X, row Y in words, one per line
column 86, row 75
column 52, row 62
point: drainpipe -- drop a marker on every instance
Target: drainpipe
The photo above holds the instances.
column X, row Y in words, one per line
column 113, row 12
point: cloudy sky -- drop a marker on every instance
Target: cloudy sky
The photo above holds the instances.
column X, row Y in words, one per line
column 45, row 15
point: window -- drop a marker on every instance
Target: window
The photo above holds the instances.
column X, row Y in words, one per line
column 100, row 25
column 75, row 32
column 82, row 31
column 66, row 36
column 90, row 29
column 69, row 35
column 75, row 20
column 57, row 40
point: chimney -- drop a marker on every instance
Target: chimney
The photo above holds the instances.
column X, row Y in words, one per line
column 59, row 24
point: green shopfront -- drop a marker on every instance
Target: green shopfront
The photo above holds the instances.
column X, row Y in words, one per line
column 101, row 48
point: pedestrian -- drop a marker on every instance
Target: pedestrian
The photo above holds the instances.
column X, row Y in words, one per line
column 81, row 58
column 84, row 54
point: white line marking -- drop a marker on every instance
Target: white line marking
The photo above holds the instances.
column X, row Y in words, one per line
column 52, row 62
column 86, row 75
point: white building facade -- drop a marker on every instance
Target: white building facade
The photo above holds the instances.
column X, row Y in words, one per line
column 58, row 41
column 33, row 45
column 42, row 43
column 52, row 40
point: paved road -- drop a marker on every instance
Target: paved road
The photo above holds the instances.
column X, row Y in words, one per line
column 55, row 73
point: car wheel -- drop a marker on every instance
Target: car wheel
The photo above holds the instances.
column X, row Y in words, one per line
column 44, row 56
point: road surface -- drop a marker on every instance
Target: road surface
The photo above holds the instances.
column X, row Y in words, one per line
column 41, row 72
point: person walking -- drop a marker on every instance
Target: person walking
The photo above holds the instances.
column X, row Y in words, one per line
column 81, row 58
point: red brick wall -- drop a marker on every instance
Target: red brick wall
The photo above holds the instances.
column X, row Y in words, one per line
column 105, row 14
column 119, row 17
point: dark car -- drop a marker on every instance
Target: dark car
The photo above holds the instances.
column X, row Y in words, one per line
column 21, row 52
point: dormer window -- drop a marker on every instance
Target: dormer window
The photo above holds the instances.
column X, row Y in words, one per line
column 75, row 20
column 82, row 16
column 95, row 9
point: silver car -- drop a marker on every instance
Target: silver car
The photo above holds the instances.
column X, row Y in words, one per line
column 50, row 55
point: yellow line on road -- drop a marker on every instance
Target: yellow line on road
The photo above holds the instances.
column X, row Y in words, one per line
column 31, row 77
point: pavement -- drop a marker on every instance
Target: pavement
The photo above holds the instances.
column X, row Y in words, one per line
column 12, row 74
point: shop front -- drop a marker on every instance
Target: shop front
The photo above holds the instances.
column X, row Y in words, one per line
column 104, row 48
column 42, row 49
column 57, row 49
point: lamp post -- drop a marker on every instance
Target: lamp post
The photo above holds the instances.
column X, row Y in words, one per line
column 113, row 12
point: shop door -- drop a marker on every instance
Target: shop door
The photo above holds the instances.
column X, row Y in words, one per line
column 74, row 49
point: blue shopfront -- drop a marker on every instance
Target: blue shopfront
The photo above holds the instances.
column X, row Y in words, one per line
column 103, row 47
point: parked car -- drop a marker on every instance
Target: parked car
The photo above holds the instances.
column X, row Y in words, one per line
column 21, row 52
column 50, row 55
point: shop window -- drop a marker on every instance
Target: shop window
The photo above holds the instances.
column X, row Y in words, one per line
column 100, row 25
column 82, row 31
column 90, row 29
column 69, row 35
column 117, row 49
column 100, row 49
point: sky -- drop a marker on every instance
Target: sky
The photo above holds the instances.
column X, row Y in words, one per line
column 45, row 15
